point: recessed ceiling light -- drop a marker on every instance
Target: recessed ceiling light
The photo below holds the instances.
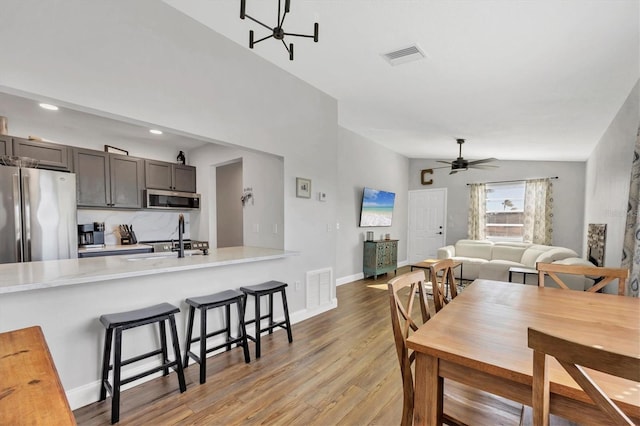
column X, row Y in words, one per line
column 155, row 132
column 49, row 107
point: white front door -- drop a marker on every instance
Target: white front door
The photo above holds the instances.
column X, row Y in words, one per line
column 427, row 213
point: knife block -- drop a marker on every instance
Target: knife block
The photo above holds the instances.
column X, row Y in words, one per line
column 127, row 236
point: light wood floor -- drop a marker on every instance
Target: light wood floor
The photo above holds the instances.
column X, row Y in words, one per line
column 341, row 369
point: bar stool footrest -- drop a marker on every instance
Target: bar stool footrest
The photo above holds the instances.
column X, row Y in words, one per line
column 139, row 357
column 148, row 372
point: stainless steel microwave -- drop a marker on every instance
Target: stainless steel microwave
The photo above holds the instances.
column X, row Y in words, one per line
column 171, row 200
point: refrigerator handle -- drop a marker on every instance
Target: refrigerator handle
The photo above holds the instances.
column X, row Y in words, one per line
column 17, row 214
column 27, row 218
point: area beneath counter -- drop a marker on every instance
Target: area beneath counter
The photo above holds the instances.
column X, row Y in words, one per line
column 18, row 277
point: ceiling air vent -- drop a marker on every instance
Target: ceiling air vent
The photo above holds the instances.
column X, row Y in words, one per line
column 404, row 55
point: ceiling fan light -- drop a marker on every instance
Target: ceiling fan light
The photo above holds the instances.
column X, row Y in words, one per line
column 460, row 164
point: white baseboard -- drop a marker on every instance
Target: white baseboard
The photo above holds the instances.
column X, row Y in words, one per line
column 90, row 393
column 359, row 276
column 304, row 314
column 349, row 279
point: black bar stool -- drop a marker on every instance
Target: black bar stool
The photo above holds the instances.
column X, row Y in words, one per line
column 126, row 320
column 268, row 288
column 204, row 303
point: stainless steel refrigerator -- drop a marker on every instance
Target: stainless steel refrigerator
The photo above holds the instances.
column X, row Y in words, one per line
column 37, row 215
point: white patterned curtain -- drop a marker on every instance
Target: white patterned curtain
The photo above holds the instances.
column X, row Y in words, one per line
column 477, row 211
column 538, row 215
column 631, row 248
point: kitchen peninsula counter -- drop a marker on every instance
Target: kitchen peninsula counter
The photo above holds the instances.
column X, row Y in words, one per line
column 18, row 277
column 66, row 298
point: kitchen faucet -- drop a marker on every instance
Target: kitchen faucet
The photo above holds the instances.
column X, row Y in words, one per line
column 180, row 232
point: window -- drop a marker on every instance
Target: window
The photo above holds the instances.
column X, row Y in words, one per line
column 505, row 211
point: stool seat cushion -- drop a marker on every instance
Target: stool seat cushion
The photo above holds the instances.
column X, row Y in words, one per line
column 214, row 299
column 123, row 318
column 267, row 287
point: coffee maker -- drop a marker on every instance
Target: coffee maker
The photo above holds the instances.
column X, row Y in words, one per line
column 91, row 235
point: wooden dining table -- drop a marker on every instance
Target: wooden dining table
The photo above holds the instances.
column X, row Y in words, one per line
column 480, row 339
column 30, row 389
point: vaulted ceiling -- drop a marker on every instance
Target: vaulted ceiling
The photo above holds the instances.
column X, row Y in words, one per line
column 537, row 80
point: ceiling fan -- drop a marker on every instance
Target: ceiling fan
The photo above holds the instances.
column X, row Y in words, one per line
column 461, row 164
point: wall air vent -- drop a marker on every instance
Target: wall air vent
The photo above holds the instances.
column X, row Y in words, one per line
column 404, row 55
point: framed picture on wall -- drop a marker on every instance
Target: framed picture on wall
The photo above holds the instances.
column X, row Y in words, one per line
column 303, row 188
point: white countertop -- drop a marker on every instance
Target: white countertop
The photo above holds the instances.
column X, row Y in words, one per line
column 15, row 277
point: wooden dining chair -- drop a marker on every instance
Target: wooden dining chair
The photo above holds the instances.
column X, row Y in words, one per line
column 441, row 274
column 573, row 356
column 606, row 275
column 470, row 405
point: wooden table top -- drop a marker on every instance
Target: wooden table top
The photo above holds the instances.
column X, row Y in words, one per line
column 30, row 389
column 428, row 263
column 485, row 328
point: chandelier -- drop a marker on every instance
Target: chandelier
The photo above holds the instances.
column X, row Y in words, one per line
column 277, row 32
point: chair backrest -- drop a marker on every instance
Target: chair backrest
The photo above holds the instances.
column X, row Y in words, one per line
column 607, row 275
column 402, row 294
column 441, row 275
column 573, row 356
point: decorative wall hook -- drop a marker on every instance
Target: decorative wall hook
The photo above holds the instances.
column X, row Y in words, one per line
column 246, row 196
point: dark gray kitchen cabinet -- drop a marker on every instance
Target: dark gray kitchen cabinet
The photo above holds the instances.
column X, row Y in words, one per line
column 5, row 145
column 127, row 181
column 184, row 178
column 108, row 180
column 169, row 176
column 50, row 155
column 92, row 177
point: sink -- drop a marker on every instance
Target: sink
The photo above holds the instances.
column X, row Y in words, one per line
column 146, row 256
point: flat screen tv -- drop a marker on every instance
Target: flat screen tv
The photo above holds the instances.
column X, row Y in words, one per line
column 377, row 208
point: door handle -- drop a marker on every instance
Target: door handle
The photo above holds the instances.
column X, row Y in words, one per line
column 17, row 202
column 440, row 233
column 27, row 218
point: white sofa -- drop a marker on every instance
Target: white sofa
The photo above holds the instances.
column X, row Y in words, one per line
column 492, row 260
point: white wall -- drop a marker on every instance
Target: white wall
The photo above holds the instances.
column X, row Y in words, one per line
column 364, row 163
column 608, row 175
column 263, row 173
column 568, row 193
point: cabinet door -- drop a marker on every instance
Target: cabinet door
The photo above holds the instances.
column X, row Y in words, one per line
column 394, row 254
column 184, row 178
column 158, row 175
column 5, row 145
column 127, row 181
column 92, row 177
column 51, row 156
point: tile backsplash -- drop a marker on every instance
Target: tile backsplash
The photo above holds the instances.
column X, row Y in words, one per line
column 148, row 225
